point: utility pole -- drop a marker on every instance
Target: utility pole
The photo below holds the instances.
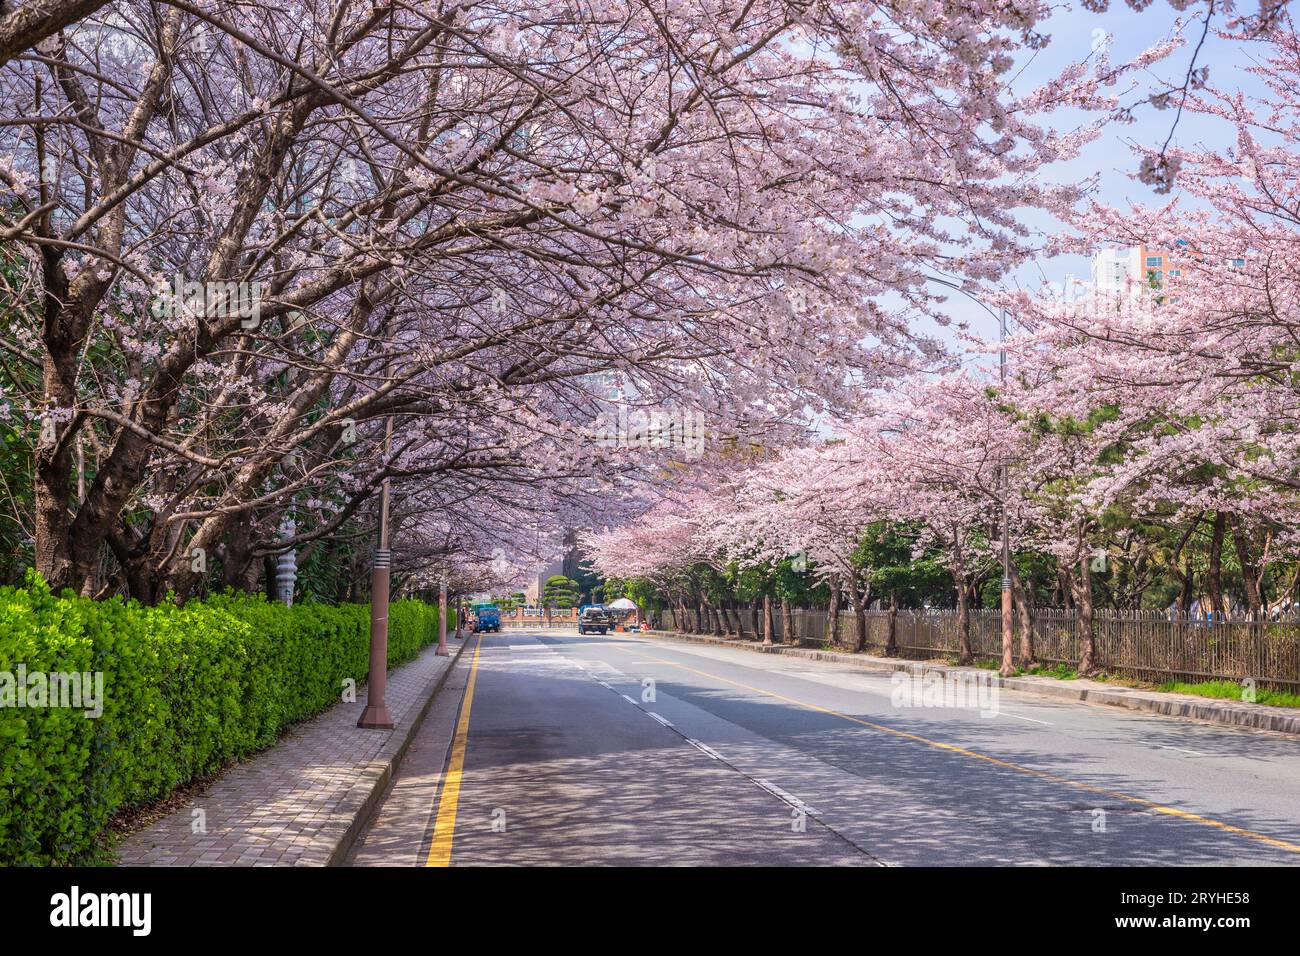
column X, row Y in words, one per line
column 1008, row 637
column 376, row 715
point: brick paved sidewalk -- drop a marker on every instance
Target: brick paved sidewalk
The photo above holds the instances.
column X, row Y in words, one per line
column 303, row 800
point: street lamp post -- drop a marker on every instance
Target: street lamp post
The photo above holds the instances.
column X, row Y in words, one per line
column 1008, row 638
column 442, row 617
column 376, row 715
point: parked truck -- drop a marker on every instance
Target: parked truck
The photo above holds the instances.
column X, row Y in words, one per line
column 593, row 618
column 485, row 617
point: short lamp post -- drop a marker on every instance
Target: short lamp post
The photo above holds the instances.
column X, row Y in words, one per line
column 286, row 566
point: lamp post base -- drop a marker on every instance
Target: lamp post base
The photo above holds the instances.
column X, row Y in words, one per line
column 376, row 717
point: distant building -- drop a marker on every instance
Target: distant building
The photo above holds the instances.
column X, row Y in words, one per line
column 1134, row 269
column 537, row 583
column 570, row 565
column 1112, row 270
column 1128, row 271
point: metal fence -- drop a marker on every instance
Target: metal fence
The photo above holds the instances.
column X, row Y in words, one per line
column 1148, row 645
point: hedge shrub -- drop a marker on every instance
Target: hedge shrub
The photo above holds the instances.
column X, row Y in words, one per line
column 185, row 689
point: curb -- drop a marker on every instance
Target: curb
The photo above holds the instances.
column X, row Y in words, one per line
column 1227, row 713
column 376, row 778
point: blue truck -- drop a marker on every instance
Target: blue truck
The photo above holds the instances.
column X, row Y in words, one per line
column 486, row 617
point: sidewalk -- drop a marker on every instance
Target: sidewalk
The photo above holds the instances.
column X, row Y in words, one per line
column 1282, row 720
column 305, row 799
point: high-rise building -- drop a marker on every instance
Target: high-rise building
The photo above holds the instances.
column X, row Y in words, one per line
column 1130, row 270
column 537, row 583
column 1112, row 269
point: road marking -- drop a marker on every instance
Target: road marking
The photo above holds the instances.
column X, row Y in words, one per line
column 1008, row 765
column 629, row 700
column 1023, row 717
column 1194, row 753
column 604, row 684
column 704, row 748
column 787, row 798
column 663, row 720
column 444, row 826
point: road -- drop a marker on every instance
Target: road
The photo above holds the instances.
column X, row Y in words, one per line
column 633, row 750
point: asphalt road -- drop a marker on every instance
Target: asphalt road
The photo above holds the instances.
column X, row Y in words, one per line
column 625, row 750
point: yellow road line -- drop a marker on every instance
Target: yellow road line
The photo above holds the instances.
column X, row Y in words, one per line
column 444, row 826
column 1029, row 771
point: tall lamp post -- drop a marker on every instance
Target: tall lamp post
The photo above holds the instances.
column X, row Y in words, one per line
column 1008, row 637
column 1008, row 631
column 376, row 715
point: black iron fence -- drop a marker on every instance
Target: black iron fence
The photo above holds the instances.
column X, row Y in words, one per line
column 1148, row 645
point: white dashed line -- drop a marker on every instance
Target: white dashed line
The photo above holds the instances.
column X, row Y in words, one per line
column 784, row 797
column 1194, row 753
column 663, row 720
column 704, row 748
column 1023, row 717
column 629, row 700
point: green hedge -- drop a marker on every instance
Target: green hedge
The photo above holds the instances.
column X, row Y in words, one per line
column 185, row 689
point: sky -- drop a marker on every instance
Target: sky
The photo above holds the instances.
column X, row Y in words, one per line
column 1110, row 158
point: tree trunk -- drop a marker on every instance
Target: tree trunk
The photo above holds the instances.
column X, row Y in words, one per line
column 787, row 623
column 891, row 641
column 1087, row 635
column 1025, row 615
column 1188, row 578
column 268, row 574
column 833, row 614
column 1214, row 572
column 965, row 655
column 1250, row 568
column 857, row 594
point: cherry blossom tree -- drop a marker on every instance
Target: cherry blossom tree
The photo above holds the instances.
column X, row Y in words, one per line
column 464, row 212
column 1193, row 365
